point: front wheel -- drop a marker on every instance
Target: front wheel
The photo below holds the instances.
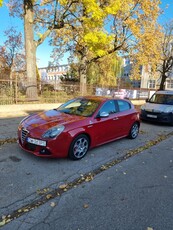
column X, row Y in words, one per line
column 134, row 131
column 79, row 147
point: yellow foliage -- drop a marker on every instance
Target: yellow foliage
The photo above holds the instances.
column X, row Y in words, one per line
column 63, row 2
column 113, row 7
column 97, row 42
column 1, row 3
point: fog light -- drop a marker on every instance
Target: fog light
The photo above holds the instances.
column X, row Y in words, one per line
column 45, row 152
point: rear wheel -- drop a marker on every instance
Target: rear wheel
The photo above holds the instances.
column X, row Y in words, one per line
column 134, row 131
column 79, row 147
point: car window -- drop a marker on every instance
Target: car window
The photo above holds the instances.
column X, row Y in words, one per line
column 162, row 99
column 108, row 107
column 80, row 107
column 123, row 105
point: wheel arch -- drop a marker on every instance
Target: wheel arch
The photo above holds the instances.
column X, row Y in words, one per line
column 83, row 133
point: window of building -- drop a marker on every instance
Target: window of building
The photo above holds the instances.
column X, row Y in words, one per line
column 169, row 83
column 152, row 84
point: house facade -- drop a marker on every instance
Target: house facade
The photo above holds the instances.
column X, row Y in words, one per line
column 147, row 81
column 52, row 74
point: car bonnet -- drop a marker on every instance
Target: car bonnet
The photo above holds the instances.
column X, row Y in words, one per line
column 48, row 119
column 158, row 108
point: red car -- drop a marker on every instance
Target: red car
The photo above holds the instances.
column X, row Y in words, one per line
column 78, row 125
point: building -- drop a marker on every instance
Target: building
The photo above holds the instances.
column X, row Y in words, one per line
column 147, row 81
column 52, row 74
column 126, row 72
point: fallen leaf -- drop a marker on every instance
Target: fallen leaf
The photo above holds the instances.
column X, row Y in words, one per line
column 63, row 186
column 85, row 205
column 26, row 210
column 2, row 223
column 43, row 191
column 52, row 204
column 48, row 196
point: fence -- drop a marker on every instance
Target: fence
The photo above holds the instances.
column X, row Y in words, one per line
column 14, row 92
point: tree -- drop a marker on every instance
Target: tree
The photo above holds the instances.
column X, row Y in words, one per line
column 12, row 52
column 105, row 71
column 107, row 27
column 40, row 19
column 165, row 64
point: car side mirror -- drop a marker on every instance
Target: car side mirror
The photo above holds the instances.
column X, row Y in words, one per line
column 147, row 100
column 103, row 115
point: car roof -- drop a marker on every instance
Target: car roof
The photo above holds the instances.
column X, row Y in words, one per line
column 170, row 92
column 97, row 98
column 102, row 98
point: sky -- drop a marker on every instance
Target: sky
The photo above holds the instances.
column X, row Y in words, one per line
column 44, row 50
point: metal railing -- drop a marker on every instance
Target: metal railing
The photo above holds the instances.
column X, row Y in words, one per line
column 14, row 92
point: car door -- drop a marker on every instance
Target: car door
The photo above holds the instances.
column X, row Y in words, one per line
column 107, row 128
column 125, row 116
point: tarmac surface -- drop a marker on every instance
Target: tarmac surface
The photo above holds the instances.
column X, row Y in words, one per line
column 113, row 190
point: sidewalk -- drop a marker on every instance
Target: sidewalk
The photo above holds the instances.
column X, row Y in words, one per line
column 7, row 111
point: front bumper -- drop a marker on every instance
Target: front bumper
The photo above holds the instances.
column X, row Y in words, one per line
column 55, row 148
column 166, row 118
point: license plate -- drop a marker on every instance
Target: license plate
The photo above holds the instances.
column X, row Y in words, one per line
column 36, row 142
column 152, row 116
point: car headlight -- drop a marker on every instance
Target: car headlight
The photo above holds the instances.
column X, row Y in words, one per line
column 53, row 132
column 168, row 109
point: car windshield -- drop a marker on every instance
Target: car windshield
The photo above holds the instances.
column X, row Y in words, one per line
column 80, row 106
column 162, row 99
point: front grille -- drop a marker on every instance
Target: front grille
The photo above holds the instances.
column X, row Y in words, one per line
column 153, row 113
column 30, row 146
column 24, row 134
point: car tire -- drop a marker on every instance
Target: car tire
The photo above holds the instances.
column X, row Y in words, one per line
column 134, row 131
column 79, row 147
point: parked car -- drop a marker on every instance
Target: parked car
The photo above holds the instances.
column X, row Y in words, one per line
column 78, row 125
column 159, row 108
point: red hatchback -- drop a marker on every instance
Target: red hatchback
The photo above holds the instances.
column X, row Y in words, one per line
column 77, row 125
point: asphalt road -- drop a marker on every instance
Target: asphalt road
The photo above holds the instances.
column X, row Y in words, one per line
column 127, row 193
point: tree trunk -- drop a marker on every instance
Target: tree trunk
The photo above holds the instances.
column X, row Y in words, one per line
column 30, row 49
column 82, row 74
column 162, row 84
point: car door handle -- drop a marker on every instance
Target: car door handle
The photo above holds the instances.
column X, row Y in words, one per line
column 115, row 118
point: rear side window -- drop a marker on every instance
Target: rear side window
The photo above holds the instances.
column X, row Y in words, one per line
column 123, row 105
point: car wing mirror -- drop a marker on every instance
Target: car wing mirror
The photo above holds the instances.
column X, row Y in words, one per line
column 103, row 115
column 147, row 100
